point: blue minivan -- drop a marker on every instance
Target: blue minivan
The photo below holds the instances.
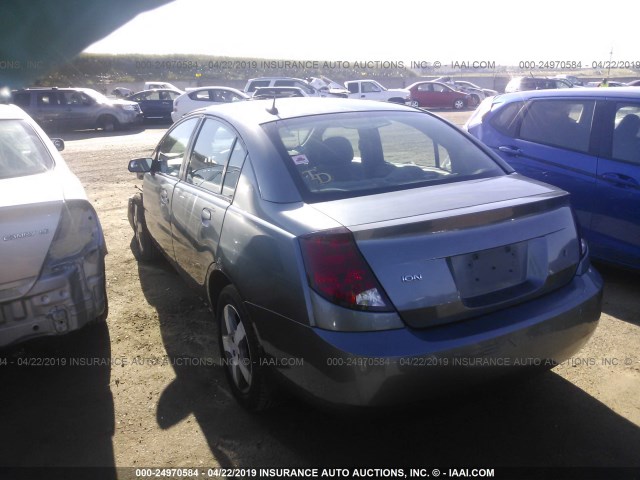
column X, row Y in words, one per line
column 586, row 141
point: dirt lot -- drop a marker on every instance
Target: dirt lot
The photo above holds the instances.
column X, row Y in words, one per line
column 138, row 400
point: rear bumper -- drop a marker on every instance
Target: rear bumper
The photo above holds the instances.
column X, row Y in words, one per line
column 57, row 304
column 407, row 365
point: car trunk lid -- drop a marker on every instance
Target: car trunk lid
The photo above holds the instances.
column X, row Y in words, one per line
column 30, row 209
column 452, row 251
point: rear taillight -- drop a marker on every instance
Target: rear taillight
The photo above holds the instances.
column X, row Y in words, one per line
column 78, row 235
column 337, row 271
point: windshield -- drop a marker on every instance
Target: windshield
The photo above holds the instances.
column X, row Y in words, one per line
column 21, row 150
column 350, row 154
column 96, row 95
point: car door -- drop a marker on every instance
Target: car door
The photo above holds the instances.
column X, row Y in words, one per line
column 156, row 103
column 616, row 216
column 423, row 93
column 442, row 95
column 147, row 102
column 201, row 199
column 165, row 103
column 77, row 109
column 161, row 181
column 552, row 143
column 48, row 111
column 369, row 90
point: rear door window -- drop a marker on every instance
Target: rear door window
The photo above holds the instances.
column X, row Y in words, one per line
column 22, row 99
column 505, row 119
column 564, row 123
column 21, row 150
column 626, row 133
column 210, row 155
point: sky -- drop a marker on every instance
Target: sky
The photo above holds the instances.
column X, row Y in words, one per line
column 504, row 32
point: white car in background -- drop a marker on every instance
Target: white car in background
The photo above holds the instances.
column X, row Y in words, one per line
column 203, row 97
column 52, row 278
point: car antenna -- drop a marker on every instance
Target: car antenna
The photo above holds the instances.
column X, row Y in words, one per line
column 273, row 110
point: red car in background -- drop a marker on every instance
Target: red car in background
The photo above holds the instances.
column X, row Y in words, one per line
column 438, row 95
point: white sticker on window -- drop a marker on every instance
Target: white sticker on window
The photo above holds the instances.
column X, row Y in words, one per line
column 300, row 159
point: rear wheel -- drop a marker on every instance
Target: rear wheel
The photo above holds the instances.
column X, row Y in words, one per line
column 458, row 104
column 240, row 352
column 415, row 103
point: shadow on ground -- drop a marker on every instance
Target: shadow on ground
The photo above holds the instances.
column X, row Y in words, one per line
column 56, row 407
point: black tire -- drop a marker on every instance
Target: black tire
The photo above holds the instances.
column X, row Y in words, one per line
column 145, row 249
column 415, row 104
column 241, row 353
column 108, row 123
column 458, row 104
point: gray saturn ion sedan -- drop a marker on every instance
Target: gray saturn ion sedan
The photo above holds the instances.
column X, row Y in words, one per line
column 52, row 278
column 363, row 253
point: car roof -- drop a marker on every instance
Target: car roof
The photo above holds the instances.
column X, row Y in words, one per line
column 277, row 78
column 592, row 92
column 12, row 112
column 158, row 90
column 420, row 82
column 255, row 112
column 217, row 87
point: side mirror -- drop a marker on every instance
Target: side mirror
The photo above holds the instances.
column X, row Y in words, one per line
column 58, row 143
column 140, row 166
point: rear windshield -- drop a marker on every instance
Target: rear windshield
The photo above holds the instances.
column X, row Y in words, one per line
column 349, row 154
column 21, row 150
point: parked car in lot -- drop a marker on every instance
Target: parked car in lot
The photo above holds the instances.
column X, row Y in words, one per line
column 633, row 83
column 438, row 95
column 473, row 89
column 278, row 92
column 372, row 90
column 77, row 109
column 519, row 84
column 586, row 141
column 159, row 85
column 477, row 93
column 344, row 244
column 121, row 92
column 610, row 83
column 575, row 81
column 325, row 88
column 203, row 97
column 156, row 104
column 52, row 278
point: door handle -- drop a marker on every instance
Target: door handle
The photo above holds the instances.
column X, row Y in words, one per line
column 620, row 179
column 206, row 215
column 164, row 197
column 510, row 150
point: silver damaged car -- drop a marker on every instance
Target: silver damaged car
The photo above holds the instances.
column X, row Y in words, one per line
column 362, row 253
column 52, row 249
